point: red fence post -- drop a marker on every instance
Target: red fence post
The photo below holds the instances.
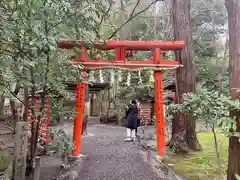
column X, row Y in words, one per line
column 159, row 109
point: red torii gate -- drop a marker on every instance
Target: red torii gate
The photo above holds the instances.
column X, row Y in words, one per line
column 157, row 63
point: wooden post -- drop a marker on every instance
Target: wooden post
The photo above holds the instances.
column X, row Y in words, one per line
column 170, row 174
column 36, row 173
column 47, row 119
column 158, row 95
column 21, row 145
column 62, row 107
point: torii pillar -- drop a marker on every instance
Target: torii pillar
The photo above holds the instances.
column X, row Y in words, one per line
column 79, row 110
column 120, row 48
column 159, row 108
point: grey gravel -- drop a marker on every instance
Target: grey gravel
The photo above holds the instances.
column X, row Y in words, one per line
column 110, row 158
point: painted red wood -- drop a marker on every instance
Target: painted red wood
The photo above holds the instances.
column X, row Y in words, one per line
column 79, row 109
column 129, row 45
column 159, row 108
column 119, row 61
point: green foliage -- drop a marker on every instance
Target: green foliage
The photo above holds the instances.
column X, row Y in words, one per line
column 210, row 107
column 29, row 53
column 238, row 177
column 208, row 18
column 60, row 140
column 209, row 23
column 4, row 161
column 61, row 110
column 55, row 112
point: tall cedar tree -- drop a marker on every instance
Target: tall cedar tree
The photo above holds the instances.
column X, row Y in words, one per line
column 184, row 135
column 233, row 8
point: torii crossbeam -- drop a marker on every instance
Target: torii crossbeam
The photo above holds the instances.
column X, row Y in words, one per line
column 157, row 64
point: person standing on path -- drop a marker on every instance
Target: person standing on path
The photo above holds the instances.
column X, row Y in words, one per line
column 132, row 118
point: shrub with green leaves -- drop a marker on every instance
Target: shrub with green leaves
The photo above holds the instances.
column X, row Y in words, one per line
column 210, row 107
column 60, row 141
column 4, row 161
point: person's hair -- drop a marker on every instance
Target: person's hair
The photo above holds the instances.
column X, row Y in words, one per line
column 134, row 101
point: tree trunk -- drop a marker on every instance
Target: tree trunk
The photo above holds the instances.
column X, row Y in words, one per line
column 184, row 135
column 13, row 106
column 233, row 8
column 216, row 147
column 86, row 111
column 13, row 110
column 26, row 103
column 2, row 101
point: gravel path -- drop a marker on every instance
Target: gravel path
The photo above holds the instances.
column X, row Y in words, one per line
column 110, row 158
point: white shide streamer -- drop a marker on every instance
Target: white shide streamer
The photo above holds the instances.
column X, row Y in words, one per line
column 112, row 76
column 119, row 75
column 140, row 77
column 129, row 79
column 101, row 76
column 91, row 76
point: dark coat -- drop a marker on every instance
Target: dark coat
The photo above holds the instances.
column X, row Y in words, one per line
column 132, row 116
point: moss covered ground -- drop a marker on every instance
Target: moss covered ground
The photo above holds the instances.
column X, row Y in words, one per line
column 202, row 165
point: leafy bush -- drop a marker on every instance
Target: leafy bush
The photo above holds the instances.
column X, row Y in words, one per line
column 210, row 107
column 4, row 161
column 60, row 141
